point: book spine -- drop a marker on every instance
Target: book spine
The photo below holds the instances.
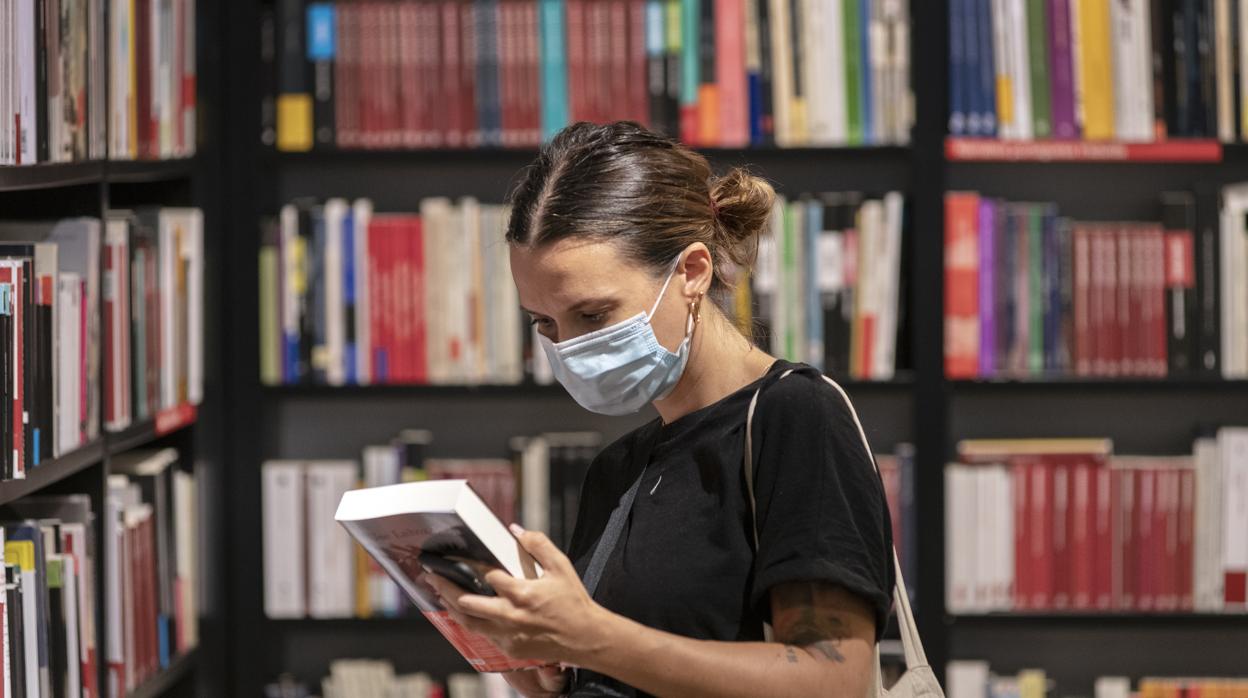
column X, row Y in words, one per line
column 708, row 94
column 1038, row 59
column 958, row 95
column 554, row 82
column 854, row 88
column 1064, row 124
column 961, row 286
column 1036, row 301
column 1096, row 69
column 987, row 287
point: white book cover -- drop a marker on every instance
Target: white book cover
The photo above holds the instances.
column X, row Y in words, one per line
column 382, row 467
column 814, row 83
column 28, row 83
column 395, row 524
column 966, row 679
column 292, row 272
column 335, row 300
column 535, row 484
column 959, row 542
column 170, row 231
column 1143, row 93
column 1006, row 118
column 1020, row 69
column 30, row 629
column 1223, row 46
column 186, row 565
column 70, row 599
column 117, row 233
column 114, row 587
column 984, row 533
column 1233, row 447
column 1207, row 538
column 832, row 68
column 781, row 71
column 510, row 323
column 435, row 214
column 1004, row 548
column 120, row 85
column 331, row 572
column 1234, row 275
column 74, row 541
column 1112, row 687
column 192, row 254
column 877, row 53
column 78, row 252
column 1242, row 15
column 472, row 285
column 361, row 217
column 885, row 360
column 69, row 365
column 284, row 542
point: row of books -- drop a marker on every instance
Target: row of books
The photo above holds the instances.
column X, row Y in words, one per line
column 1065, row 525
column 827, row 283
column 1141, row 71
column 72, row 71
column 352, row 297
column 153, row 325
column 1030, row 293
column 151, row 573
column 716, row 73
column 375, row 678
column 49, row 353
column 973, row 678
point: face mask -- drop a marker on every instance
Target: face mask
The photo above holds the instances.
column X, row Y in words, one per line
column 618, row 369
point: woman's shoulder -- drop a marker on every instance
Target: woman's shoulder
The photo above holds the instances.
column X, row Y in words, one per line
column 799, row 390
column 612, row 462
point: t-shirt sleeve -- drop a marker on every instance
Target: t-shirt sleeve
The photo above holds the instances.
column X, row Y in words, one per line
column 821, row 509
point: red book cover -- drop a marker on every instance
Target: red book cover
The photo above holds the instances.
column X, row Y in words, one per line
column 599, row 80
column 961, row 285
column 134, row 663
column 1040, row 511
column 346, row 77
column 420, row 344
column 1062, row 575
column 1168, row 596
column 376, row 255
column 155, row 359
column 410, row 83
column 1110, row 337
column 734, row 129
column 506, row 71
column 1131, row 320
column 1116, row 301
column 1147, row 537
column 389, row 300
column 1126, row 527
column 638, row 89
column 1106, row 566
column 1081, row 532
column 431, row 94
column 1161, row 333
column 578, row 63
column 618, row 99
column 367, row 42
column 451, row 74
column 1024, row 574
column 468, row 72
column 1187, row 525
column 1097, row 342
column 403, row 298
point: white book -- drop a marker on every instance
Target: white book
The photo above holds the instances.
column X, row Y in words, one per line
column 1233, row 448
column 885, row 360
column 831, row 65
column 1207, row 536
column 170, row 244
column 1242, row 42
column 1143, row 107
column 877, row 55
column 472, row 286
column 70, row 598
column 78, row 252
column 284, row 543
column 1123, row 68
column 186, row 564
column 381, row 468
column 69, row 298
column 27, row 83
column 1006, row 119
column 1112, row 687
column 191, row 253
column 1020, row 69
column 114, row 584
column 781, row 71
column 1003, row 548
column 361, row 217
column 966, row 679
column 331, row 572
column 959, row 543
column 535, row 484
column 814, row 84
column 121, row 80
column 510, row 322
column 435, row 214
column 1234, row 275
column 983, row 574
column 30, row 628
column 1225, row 88
column 335, row 300
column 292, row 270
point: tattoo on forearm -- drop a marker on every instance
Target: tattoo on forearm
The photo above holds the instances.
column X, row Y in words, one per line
column 791, row 653
column 803, row 617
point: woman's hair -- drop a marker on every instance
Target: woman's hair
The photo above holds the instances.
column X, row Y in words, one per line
column 642, row 191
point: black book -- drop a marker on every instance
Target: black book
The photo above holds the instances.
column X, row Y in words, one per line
column 268, row 77
column 42, row 22
column 1178, row 217
column 1183, row 25
column 1066, row 296
column 833, row 297
column 47, row 358
column 706, row 55
column 13, row 599
column 1163, row 66
column 656, row 78
column 673, row 60
column 320, row 56
column 7, row 300
column 307, row 321
column 30, row 346
column 765, row 73
column 1207, row 112
column 1208, row 291
column 57, row 640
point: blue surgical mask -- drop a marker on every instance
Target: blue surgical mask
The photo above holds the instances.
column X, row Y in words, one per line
column 618, row 369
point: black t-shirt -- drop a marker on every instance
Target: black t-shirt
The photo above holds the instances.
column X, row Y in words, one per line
column 685, row 561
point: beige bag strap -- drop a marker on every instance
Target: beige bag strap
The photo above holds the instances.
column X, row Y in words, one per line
column 912, row 645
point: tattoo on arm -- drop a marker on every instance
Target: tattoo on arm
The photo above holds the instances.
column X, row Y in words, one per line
column 811, row 615
column 791, row 653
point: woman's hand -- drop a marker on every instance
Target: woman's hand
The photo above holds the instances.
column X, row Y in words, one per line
column 550, row 619
column 539, row 682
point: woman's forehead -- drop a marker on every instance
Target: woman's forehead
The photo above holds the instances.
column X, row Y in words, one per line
column 552, row 277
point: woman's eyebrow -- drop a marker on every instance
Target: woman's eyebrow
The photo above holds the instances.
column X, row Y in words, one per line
column 580, row 305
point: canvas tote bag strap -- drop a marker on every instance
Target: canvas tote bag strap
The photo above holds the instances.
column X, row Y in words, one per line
column 912, row 645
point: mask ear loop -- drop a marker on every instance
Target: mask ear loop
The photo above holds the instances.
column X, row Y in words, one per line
column 670, row 274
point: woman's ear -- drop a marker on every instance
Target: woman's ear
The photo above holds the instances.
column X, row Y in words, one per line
column 698, row 268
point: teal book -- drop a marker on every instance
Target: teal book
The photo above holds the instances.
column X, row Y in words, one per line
column 854, row 68
column 1038, row 57
column 554, row 68
column 690, row 73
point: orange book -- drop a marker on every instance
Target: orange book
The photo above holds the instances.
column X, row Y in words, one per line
column 961, row 285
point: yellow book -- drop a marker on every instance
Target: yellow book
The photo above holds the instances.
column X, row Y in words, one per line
column 363, row 600
column 294, row 122
column 743, row 304
column 1096, row 69
column 20, row 553
column 1031, row 683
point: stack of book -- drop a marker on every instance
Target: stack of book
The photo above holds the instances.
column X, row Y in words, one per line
column 153, row 324
column 54, row 76
column 349, row 296
column 1141, row 71
column 49, row 353
column 827, row 284
column 715, row 73
column 312, row 569
column 974, row 679
column 367, row 678
column 151, row 577
column 1029, row 293
column 1065, row 525
column 48, row 606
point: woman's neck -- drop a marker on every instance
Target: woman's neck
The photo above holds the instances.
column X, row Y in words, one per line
column 721, row 362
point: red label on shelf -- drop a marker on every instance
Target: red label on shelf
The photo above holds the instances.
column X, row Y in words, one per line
column 174, row 418
column 989, row 150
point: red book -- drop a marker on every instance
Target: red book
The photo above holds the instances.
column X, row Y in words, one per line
column 506, row 71
column 404, row 310
column 468, row 71
column 416, row 292
column 1130, row 296
column 368, row 58
column 1040, row 510
column 453, row 135
column 410, row 83
column 618, row 23
column 1106, row 563
column 961, row 285
column 376, row 256
column 1062, row 574
column 1126, row 528
column 1168, row 596
column 1161, row 332
column 1146, row 540
column 346, row 77
column 599, row 81
column 431, row 94
column 1081, row 531
column 110, row 361
column 734, row 130
column 1108, row 341
column 578, row 103
column 1023, row 572
column 1095, row 359
column 638, row 93
column 1187, row 524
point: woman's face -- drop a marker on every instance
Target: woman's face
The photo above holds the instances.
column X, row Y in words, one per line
column 573, row 287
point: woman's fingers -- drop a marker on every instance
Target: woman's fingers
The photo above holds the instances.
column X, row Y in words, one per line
column 543, row 550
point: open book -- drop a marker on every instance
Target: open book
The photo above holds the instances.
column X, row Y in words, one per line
column 396, row 522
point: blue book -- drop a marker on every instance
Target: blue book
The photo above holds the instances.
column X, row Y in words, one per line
column 987, row 70
column 867, row 95
column 987, row 286
column 316, row 281
column 348, row 296
column 815, row 353
column 554, row 68
column 971, row 58
column 957, row 64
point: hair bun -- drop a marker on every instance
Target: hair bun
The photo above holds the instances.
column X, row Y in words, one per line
column 742, row 203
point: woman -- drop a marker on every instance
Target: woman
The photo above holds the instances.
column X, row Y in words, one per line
column 618, row 236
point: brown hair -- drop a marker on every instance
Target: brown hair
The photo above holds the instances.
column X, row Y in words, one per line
column 647, row 193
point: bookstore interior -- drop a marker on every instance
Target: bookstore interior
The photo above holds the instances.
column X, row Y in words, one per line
column 255, row 263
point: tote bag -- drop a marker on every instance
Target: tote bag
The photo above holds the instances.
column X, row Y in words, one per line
column 918, row 679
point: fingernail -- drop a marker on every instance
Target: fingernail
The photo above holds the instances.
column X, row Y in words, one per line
column 516, row 529
column 426, row 569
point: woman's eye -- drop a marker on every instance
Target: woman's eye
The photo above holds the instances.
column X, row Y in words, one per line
column 593, row 318
column 540, row 322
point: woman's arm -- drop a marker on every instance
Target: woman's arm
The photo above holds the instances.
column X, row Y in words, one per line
column 824, row 636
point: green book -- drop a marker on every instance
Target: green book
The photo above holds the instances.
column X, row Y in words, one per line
column 853, row 71
column 689, row 74
column 270, row 364
column 1035, row 287
column 1038, row 53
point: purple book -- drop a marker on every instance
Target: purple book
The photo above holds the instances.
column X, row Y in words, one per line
column 1062, row 71
column 987, row 287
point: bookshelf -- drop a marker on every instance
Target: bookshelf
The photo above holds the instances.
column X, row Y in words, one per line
column 1106, row 181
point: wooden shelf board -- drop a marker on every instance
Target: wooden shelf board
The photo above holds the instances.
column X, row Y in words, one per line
column 1100, row 384
column 962, row 150
column 158, row 685
column 52, row 471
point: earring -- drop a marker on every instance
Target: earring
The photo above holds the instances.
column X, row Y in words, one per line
column 695, row 308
